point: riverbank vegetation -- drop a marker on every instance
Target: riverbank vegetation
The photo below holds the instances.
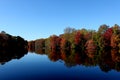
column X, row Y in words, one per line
column 11, row 47
column 105, row 37
column 83, row 47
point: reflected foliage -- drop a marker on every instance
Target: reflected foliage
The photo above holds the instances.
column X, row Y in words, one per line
column 11, row 47
column 83, row 47
column 107, row 60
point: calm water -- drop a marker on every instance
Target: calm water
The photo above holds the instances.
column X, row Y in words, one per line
column 39, row 67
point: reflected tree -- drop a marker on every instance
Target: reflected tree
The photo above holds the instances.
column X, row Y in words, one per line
column 11, row 47
column 82, row 47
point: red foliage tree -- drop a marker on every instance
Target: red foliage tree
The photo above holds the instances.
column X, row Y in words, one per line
column 79, row 40
column 55, row 42
column 107, row 37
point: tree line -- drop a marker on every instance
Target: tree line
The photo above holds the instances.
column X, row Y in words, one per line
column 105, row 37
column 9, row 42
column 11, row 47
column 83, row 47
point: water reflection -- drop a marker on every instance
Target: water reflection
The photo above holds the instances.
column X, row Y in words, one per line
column 11, row 47
column 9, row 54
column 107, row 60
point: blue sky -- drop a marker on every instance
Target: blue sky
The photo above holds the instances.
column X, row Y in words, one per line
column 33, row 19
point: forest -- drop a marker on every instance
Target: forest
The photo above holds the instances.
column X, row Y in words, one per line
column 105, row 37
column 82, row 47
column 74, row 47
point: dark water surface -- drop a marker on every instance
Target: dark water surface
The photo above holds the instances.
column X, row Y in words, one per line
column 39, row 67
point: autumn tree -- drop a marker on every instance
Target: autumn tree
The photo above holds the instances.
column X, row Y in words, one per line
column 79, row 40
column 115, row 39
column 55, row 42
column 31, row 46
column 102, row 29
column 65, row 44
column 39, row 45
column 67, row 39
column 99, row 35
column 116, row 29
column 107, row 37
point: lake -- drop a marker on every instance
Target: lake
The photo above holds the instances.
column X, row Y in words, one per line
column 34, row 66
